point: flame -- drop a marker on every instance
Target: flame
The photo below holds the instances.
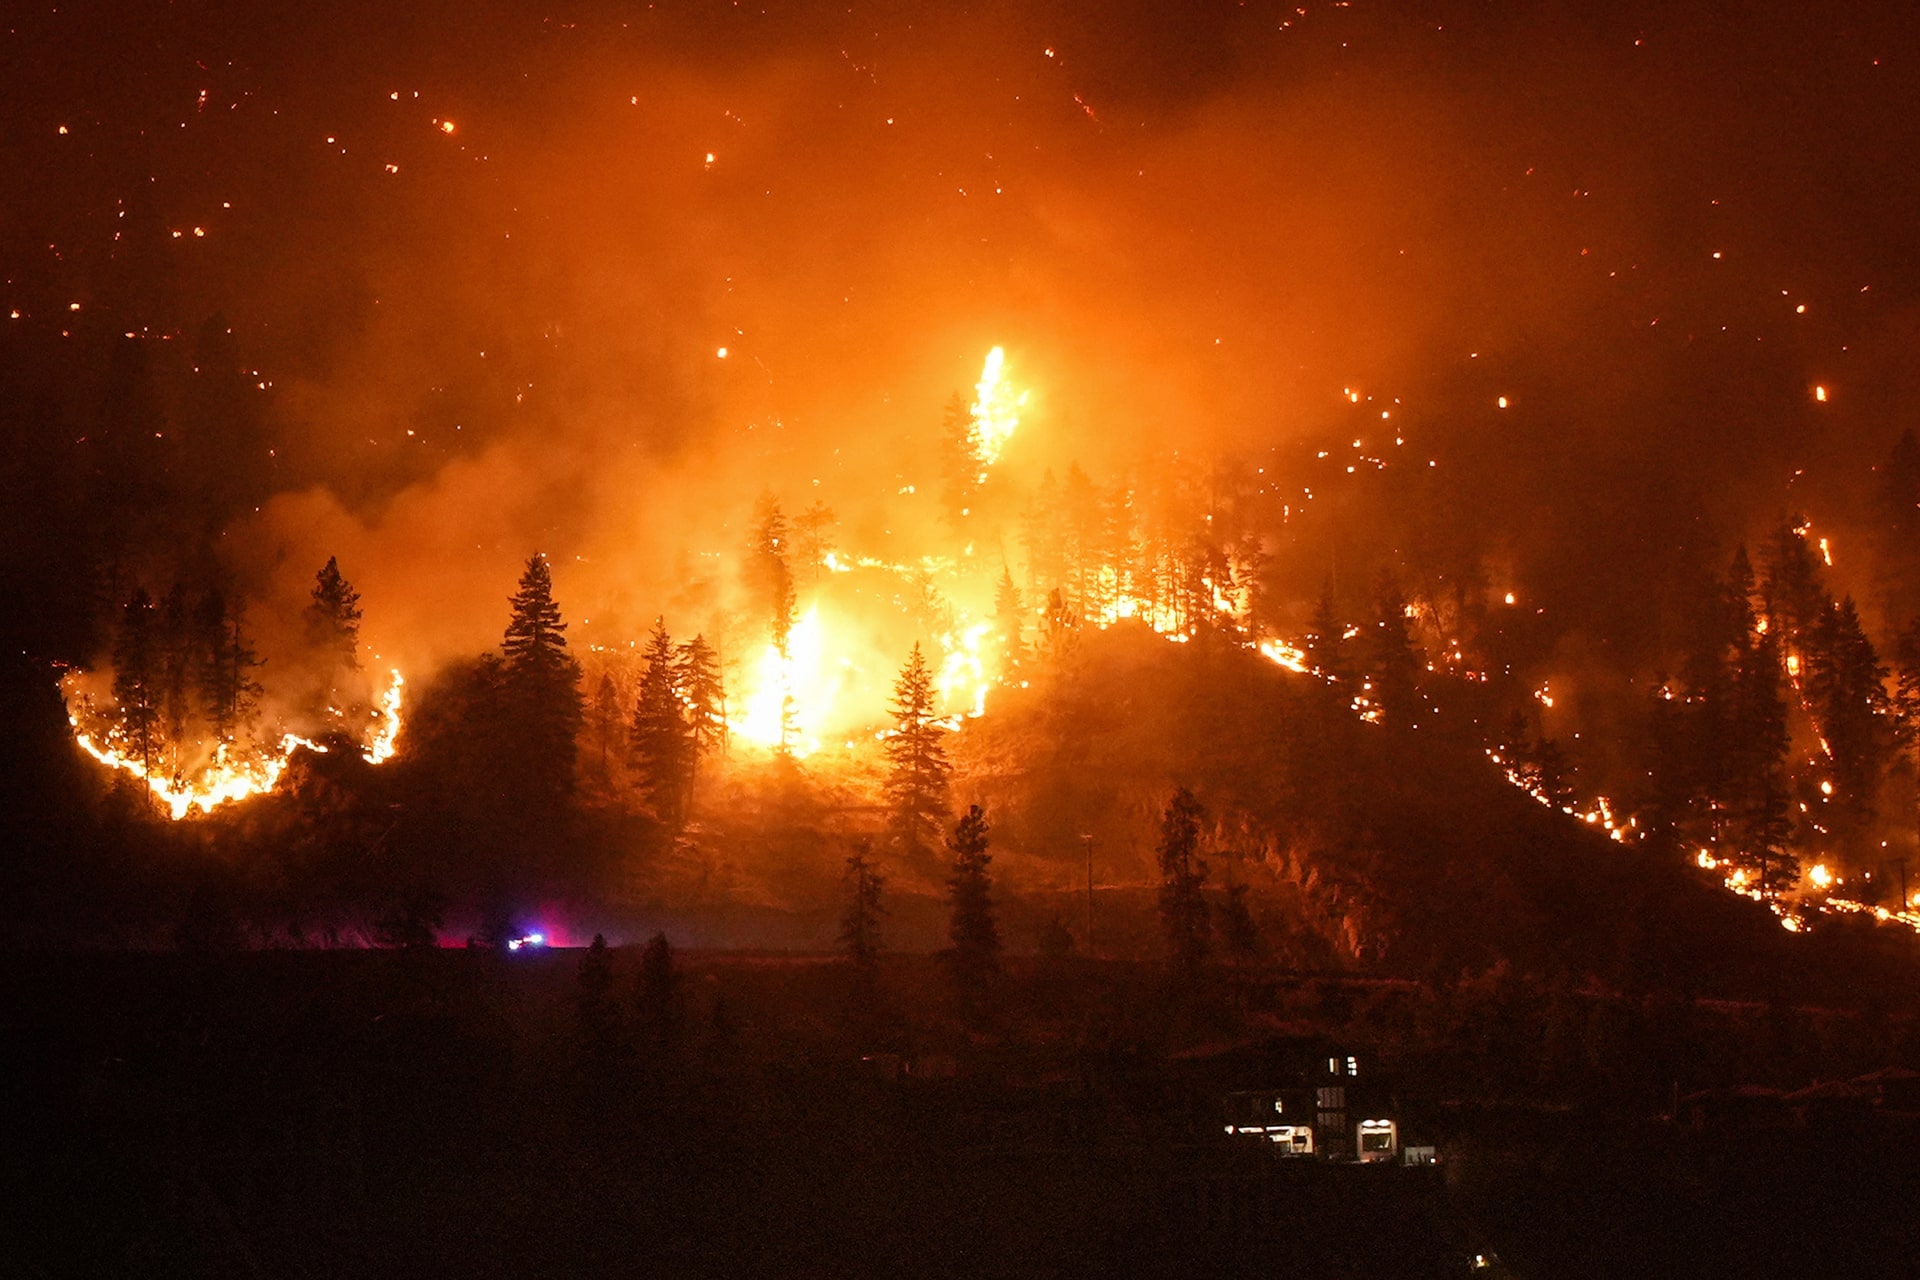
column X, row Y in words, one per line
column 381, row 749
column 789, row 700
column 233, row 772
column 996, row 412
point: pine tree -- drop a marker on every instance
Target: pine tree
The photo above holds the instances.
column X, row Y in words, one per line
column 973, row 928
column 1393, row 660
column 333, row 618
column 772, row 567
column 860, row 921
column 1846, row 692
column 662, row 740
column 813, row 537
column 1763, row 825
column 540, row 687
column 961, row 473
column 137, row 679
column 1040, row 531
column 657, row 999
column 704, row 691
column 1009, row 618
column 1325, row 641
column 593, row 1005
column 1241, row 934
column 1791, row 587
column 605, row 725
column 229, row 696
column 1184, row 917
column 917, row 766
column 179, row 662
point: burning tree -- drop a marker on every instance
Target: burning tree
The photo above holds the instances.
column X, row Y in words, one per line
column 918, row 769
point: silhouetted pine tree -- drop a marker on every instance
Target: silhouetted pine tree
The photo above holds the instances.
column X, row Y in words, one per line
column 1184, row 916
column 658, row 1014
column 772, row 573
column 229, row 696
column 972, row 927
column 1846, row 692
column 960, row 471
column 1009, row 619
column 1791, row 589
column 860, row 918
column 813, row 538
column 1237, row 927
column 606, row 726
column 593, row 998
column 704, row 691
column 137, row 679
column 662, row 741
column 1762, row 819
column 1042, row 534
column 1325, row 643
column 917, row 765
column 333, row 618
column 1392, row 659
column 540, row 688
column 179, row 664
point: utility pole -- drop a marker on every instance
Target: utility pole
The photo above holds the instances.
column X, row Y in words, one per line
column 1087, row 841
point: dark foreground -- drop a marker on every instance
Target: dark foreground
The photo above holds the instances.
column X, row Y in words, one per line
column 468, row 1114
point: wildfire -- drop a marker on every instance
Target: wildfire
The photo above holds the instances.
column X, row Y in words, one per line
column 232, row 772
column 996, row 412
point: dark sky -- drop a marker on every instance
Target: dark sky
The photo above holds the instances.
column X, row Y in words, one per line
column 478, row 266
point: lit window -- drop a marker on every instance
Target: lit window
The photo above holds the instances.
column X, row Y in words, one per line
column 1353, row 1066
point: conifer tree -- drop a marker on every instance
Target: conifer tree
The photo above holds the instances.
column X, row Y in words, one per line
column 1763, row 824
column 960, row 471
column 179, row 661
column 860, row 920
column 1326, row 640
column 137, row 679
column 1041, row 532
column 772, row 566
column 1846, row 691
column 540, row 686
column 1238, row 929
column 657, row 999
column 972, row 928
column 1184, row 916
column 662, row 740
column 704, row 691
column 917, row 766
column 813, row 537
column 228, row 693
column 1791, row 588
column 593, row 1005
column 605, row 724
column 1009, row 618
column 333, row 618
column 1393, row 660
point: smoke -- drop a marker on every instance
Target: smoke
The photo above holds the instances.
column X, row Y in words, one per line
column 486, row 265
